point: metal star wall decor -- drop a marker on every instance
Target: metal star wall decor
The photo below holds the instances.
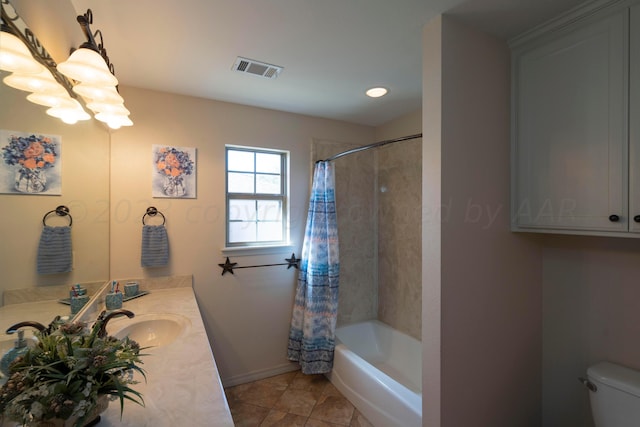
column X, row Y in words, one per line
column 293, row 261
column 229, row 266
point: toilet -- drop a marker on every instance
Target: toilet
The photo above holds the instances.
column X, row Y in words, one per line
column 614, row 392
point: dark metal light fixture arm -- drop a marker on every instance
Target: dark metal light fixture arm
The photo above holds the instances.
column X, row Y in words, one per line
column 85, row 22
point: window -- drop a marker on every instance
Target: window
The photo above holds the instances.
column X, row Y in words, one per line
column 256, row 197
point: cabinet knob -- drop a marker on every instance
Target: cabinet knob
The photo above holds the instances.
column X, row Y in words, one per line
column 636, row 218
column 616, row 218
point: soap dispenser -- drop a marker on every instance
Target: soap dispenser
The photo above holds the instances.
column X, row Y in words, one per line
column 20, row 348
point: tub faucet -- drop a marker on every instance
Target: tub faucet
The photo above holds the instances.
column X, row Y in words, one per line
column 104, row 318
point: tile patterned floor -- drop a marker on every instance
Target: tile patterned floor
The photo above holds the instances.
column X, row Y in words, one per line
column 292, row 399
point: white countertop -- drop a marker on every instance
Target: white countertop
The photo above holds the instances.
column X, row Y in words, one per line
column 40, row 311
column 183, row 385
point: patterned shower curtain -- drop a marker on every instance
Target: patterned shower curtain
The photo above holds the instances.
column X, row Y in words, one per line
column 312, row 333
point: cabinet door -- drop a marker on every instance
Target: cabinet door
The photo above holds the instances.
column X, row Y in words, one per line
column 634, row 119
column 570, row 145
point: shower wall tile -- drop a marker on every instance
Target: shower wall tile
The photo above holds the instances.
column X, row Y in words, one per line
column 355, row 183
column 378, row 195
column 399, row 236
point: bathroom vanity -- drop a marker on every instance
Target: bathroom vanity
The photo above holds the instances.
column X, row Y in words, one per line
column 183, row 385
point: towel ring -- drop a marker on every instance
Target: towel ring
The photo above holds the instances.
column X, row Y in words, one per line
column 60, row 211
column 151, row 211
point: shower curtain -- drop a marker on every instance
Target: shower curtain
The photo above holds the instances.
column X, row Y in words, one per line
column 312, row 333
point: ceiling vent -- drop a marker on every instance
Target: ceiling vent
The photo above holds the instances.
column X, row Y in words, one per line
column 257, row 68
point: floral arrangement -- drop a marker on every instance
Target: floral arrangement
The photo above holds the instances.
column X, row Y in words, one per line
column 173, row 162
column 66, row 374
column 32, row 152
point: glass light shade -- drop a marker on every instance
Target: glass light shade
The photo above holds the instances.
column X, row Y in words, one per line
column 376, row 92
column 69, row 114
column 103, row 107
column 15, row 56
column 107, row 94
column 43, row 82
column 88, row 66
column 50, row 100
column 114, row 121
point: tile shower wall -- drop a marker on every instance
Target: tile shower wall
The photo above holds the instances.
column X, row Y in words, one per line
column 400, row 236
column 378, row 194
column 355, row 182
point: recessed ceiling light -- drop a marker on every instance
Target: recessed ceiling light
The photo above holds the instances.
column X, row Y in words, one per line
column 376, row 92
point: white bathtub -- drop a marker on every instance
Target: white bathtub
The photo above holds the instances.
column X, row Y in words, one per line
column 379, row 370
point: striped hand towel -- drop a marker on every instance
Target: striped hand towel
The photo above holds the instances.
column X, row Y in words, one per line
column 54, row 250
column 155, row 246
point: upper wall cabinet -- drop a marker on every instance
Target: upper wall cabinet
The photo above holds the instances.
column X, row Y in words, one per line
column 575, row 117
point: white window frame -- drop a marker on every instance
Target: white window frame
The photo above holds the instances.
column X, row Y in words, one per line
column 283, row 197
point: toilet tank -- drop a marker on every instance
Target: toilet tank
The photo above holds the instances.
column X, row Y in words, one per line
column 616, row 402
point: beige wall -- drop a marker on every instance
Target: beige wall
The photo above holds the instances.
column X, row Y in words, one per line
column 490, row 278
column 85, row 171
column 246, row 314
column 53, row 23
column 85, row 191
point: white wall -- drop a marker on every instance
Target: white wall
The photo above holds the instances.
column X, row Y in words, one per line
column 590, row 309
column 246, row 314
column 431, row 219
column 490, row 278
column 408, row 124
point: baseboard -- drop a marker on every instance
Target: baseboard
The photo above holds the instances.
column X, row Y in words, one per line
column 259, row 374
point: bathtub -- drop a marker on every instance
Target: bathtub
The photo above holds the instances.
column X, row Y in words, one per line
column 379, row 370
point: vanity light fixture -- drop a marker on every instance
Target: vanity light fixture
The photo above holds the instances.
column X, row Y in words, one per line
column 86, row 75
column 69, row 113
column 376, row 92
column 87, row 66
column 15, row 56
column 40, row 83
column 33, row 70
column 90, row 67
column 49, row 99
column 98, row 93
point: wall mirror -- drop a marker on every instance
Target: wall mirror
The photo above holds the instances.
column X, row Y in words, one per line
column 84, row 156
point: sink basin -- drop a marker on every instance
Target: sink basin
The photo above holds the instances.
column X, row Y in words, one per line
column 152, row 329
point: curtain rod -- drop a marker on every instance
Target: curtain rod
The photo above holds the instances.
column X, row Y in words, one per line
column 374, row 145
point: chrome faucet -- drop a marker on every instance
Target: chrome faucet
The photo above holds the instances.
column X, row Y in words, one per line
column 104, row 319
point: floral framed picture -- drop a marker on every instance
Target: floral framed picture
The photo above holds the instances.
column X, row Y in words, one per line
column 174, row 172
column 31, row 163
